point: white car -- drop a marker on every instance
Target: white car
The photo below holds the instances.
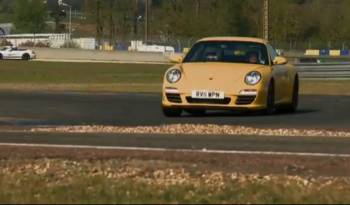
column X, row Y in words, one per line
column 9, row 52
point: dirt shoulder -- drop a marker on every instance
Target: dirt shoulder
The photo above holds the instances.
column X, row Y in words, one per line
column 240, row 163
column 31, row 175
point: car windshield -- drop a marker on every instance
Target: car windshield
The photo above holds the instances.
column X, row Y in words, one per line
column 3, row 49
column 228, row 52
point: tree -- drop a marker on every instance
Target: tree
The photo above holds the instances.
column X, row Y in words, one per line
column 58, row 14
column 30, row 16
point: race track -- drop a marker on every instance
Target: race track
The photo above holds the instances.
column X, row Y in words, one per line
column 124, row 109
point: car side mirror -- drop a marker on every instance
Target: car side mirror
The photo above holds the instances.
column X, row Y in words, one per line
column 176, row 58
column 280, row 61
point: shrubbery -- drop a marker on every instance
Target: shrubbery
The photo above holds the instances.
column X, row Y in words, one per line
column 37, row 44
column 70, row 44
column 4, row 42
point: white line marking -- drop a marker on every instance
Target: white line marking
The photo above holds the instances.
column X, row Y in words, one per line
column 300, row 154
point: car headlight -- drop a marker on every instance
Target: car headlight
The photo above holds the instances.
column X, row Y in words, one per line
column 173, row 76
column 253, row 78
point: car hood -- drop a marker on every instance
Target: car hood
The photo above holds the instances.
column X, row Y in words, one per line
column 218, row 72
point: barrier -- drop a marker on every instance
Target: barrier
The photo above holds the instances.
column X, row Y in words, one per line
column 312, row 52
column 344, row 52
column 324, row 71
column 139, row 46
column 186, row 50
column 334, row 53
column 106, row 47
column 327, row 52
column 324, row 52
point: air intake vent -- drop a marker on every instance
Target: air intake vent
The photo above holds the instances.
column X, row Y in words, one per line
column 225, row 101
column 245, row 100
column 174, row 98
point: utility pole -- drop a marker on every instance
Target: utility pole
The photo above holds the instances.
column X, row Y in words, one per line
column 266, row 20
column 146, row 20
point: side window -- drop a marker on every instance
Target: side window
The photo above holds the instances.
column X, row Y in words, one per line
column 272, row 51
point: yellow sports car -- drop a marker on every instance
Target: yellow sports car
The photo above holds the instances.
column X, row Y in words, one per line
column 232, row 73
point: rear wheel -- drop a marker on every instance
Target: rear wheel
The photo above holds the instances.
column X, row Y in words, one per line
column 26, row 57
column 270, row 101
column 172, row 112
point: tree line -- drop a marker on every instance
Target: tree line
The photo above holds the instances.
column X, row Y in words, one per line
column 293, row 23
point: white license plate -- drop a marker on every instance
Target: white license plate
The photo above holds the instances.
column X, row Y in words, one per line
column 204, row 94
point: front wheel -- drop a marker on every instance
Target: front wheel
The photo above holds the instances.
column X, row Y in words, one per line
column 171, row 112
column 293, row 106
column 270, row 101
column 1, row 57
column 26, row 57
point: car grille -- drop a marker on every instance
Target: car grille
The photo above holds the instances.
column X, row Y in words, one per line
column 225, row 101
column 174, row 98
column 245, row 100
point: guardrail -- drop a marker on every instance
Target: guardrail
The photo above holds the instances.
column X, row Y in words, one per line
column 325, row 71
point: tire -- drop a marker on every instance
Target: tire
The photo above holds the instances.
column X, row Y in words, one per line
column 171, row 112
column 1, row 57
column 270, row 100
column 292, row 108
column 196, row 112
column 26, row 57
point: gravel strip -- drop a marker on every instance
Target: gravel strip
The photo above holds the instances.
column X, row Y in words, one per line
column 192, row 129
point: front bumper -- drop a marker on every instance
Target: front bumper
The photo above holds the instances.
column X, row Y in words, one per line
column 230, row 102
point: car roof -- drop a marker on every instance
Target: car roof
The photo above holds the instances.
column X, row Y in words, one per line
column 233, row 38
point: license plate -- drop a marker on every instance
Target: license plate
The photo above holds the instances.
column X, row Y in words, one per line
column 204, row 94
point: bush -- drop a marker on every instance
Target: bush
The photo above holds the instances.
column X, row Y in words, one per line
column 27, row 44
column 42, row 44
column 4, row 42
column 70, row 44
column 33, row 44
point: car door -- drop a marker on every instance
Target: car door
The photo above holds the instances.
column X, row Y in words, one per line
column 6, row 54
column 11, row 53
column 14, row 54
column 280, row 74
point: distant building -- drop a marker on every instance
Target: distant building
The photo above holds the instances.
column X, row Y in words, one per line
column 6, row 28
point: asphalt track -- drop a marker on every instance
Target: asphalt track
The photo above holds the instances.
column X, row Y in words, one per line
column 125, row 109
column 261, row 145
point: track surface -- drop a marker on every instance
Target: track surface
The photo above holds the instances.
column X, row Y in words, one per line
column 20, row 109
column 306, row 145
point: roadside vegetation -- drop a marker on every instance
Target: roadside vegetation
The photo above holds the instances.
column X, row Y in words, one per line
column 108, row 77
column 294, row 24
column 138, row 181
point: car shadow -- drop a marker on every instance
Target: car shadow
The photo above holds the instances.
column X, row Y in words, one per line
column 214, row 114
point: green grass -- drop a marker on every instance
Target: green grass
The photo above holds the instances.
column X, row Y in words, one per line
column 19, row 75
column 79, row 73
column 327, row 87
column 108, row 77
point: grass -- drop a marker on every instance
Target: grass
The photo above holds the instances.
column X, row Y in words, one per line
column 327, row 87
column 20, row 75
column 113, row 181
column 79, row 73
column 107, row 77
